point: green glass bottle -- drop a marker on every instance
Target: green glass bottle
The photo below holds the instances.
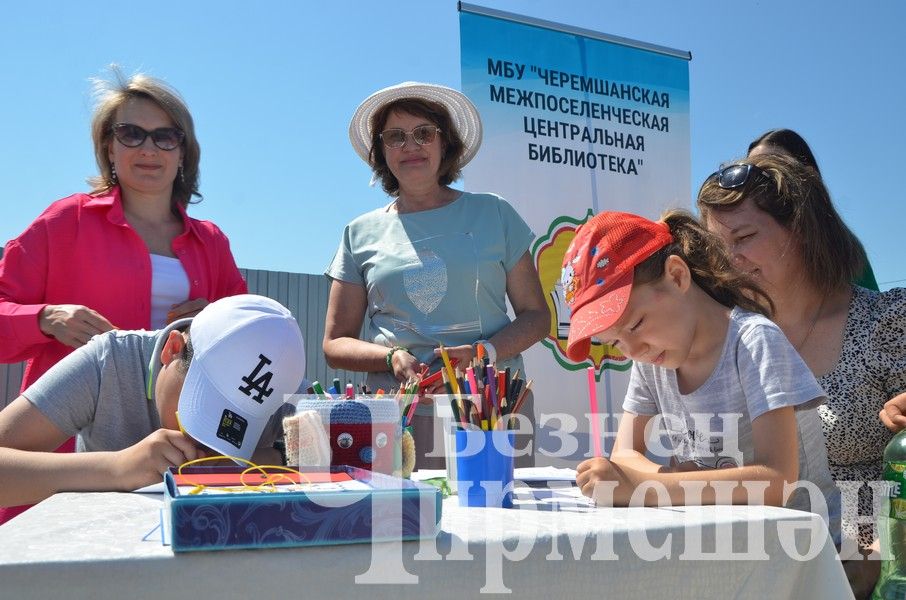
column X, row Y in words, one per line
column 892, row 523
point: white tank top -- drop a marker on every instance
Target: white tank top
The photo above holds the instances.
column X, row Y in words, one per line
column 169, row 286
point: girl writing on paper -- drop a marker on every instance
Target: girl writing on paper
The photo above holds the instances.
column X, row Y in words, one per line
column 710, row 371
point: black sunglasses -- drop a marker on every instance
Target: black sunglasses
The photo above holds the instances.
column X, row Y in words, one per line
column 133, row 136
column 735, row 176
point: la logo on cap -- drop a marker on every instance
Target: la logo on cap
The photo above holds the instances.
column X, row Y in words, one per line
column 258, row 382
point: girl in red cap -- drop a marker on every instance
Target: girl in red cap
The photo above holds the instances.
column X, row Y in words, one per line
column 710, row 371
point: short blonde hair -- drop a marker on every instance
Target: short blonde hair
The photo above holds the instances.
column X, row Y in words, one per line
column 110, row 95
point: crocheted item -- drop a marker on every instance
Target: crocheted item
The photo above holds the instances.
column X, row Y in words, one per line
column 360, row 433
column 306, row 440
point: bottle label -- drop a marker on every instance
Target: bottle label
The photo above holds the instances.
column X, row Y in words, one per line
column 895, row 475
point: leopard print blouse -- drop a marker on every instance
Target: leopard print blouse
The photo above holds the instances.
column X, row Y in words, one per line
column 870, row 371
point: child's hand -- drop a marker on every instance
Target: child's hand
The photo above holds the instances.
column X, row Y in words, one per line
column 145, row 462
column 604, row 481
column 893, row 415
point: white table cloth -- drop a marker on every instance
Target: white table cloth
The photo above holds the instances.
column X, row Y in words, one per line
column 98, row 545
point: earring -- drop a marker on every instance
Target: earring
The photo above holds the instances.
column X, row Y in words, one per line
column 113, row 174
column 182, row 176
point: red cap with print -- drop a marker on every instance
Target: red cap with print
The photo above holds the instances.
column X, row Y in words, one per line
column 598, row 269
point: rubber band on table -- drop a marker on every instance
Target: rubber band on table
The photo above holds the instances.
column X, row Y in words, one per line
column 269, row 484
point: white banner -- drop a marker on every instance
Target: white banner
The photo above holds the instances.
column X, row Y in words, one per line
column 575, row 122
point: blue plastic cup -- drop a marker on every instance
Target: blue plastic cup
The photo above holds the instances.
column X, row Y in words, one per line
column 484, row 468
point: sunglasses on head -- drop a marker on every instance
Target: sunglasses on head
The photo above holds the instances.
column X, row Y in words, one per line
column 735, row 176
column 396, row 138
column 133, row 136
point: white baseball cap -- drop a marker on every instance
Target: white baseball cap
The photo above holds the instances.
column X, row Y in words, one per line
column 248, row 353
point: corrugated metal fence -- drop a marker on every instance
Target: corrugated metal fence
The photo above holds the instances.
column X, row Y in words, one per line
column 10, row 380
column 304, row 295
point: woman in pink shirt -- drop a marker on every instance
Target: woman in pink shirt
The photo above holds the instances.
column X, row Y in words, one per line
column 126, row 255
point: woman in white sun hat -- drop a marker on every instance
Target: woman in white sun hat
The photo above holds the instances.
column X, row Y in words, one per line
column 436, row 265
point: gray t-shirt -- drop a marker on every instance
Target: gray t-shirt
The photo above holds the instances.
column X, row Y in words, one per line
column 99, row 392
column 758, row 371
column 434, row 276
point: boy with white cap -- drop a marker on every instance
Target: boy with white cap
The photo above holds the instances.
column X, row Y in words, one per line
column 220, row 378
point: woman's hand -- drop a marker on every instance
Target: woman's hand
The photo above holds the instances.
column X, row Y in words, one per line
column 405, row 366
column 72, row 324
column 893, row 415
column 189, row 308
column 464, row 354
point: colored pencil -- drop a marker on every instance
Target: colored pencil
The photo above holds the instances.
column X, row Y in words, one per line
column 473, row 387
column 519, row 402
column 492, row 394
column 449, row 368
column 593, row 405
column 411, row 412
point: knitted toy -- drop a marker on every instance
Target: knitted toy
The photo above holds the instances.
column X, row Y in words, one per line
column 306, row 441
column 360, row 436
column 358, row 433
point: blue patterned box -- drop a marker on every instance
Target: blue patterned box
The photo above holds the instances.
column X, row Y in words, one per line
column 380, row 508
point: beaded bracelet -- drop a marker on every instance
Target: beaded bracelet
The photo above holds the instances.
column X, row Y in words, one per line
column 389, row 358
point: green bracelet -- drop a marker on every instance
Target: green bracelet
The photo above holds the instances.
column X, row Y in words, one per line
column 389, row 358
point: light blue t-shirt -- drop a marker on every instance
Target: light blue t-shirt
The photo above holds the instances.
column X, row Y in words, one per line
column 434, row 276
column 758, row 371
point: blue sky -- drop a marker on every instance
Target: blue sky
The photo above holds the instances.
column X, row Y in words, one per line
column 272, row 86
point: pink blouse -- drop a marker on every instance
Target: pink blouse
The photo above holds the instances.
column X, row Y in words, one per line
column 81, row 250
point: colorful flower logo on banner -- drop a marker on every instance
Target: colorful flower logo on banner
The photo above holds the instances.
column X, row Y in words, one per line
column 548, row 252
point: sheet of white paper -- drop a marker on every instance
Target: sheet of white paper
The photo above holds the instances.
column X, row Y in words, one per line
column 559, row 496
column 154, row 488
column 544, row 474
column 423, row 474
column 521, row 474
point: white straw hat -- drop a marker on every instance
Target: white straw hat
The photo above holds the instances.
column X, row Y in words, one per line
column 462, row 112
